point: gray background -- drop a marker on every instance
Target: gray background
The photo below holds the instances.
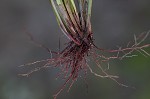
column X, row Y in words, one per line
column 114, row 23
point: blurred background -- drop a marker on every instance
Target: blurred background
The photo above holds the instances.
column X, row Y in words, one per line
column 114, row 23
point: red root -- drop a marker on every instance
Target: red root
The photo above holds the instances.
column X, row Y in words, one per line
column 73, row 59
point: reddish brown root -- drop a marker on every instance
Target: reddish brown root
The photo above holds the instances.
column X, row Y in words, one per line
column 74, row 58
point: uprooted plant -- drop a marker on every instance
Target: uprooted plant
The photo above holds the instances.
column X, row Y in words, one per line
column 73, row 17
